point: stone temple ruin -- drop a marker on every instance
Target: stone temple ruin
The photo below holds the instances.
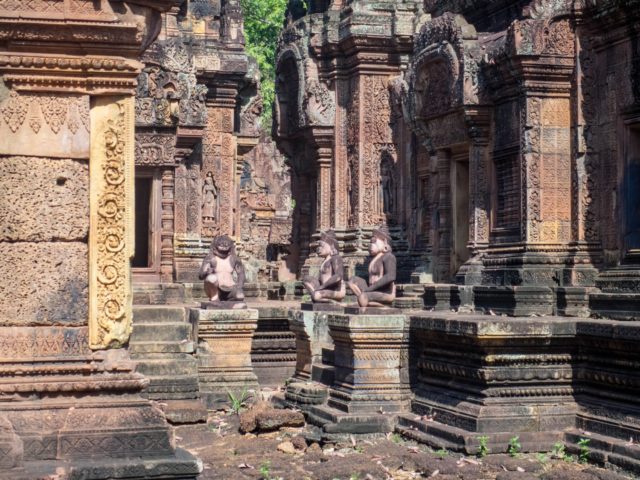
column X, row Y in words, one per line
column 491, row 147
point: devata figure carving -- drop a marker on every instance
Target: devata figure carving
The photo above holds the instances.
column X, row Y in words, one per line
column 330, row 284
column 223, row 272
column 381, row 290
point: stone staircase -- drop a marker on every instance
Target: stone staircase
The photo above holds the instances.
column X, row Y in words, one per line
column 163, row 345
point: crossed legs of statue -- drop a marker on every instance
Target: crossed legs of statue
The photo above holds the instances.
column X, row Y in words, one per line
column 217, row 293
column 375, row 299
column 321, row 296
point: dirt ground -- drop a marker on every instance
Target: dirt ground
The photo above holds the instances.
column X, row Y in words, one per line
column 228, row 454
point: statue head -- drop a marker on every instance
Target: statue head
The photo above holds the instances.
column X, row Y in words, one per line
column 380, row 241
column 328, row 244
column 222, row 246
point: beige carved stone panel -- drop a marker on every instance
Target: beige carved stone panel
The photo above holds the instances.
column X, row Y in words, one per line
column 44, row 199
column 111, row 232
column 43, row 283
column 44, row 125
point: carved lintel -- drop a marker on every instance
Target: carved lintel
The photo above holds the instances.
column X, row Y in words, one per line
column 111, row 230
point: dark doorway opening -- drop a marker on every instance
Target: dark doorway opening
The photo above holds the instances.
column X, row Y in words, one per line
column 144, row 190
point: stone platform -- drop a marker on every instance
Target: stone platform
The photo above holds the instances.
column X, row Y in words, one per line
column 224, row 353
column 545, row 379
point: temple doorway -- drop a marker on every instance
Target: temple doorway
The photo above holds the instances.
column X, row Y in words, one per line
column 146, row 260
column 459, row 209
column 631, row 194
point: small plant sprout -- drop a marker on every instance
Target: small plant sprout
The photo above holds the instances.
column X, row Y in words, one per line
column 443, row 452
column 265, row 470
column 237, row 402
column 542, row 458
column 483, row 448
column 396, row 438
column 583, row 445
column 514, row 446
column 558, row 450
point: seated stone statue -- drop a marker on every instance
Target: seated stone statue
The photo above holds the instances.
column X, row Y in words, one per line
column 223, row 272
column 381, row 290
column 329, row 286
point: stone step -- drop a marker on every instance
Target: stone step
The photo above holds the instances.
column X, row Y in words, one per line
column 158, row 314
column 182, row 346
column 167, row 367
column 162, row 332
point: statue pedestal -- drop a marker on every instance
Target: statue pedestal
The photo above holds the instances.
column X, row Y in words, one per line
column 224, row 353
column 371, row 383
column 311, row 329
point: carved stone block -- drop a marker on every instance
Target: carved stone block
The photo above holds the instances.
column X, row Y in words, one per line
column 371, row 383
column 61, row 295
column 224, row 353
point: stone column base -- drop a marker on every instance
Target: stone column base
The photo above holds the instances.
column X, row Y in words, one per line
column 224, row 354
column 371, row 383
column 514, row 301
column 78, row 413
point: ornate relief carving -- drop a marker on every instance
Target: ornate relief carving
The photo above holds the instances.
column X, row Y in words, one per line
column 14, row 111
column 319, row 104
column 155, row 150
column 111, row 231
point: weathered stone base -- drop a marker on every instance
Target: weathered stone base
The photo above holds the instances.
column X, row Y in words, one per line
column 180, row 467
column 79, row 408
column 306, row 394
column 371, row 382
column 514, row 301
column 443, row 297
column 273, row 349
column 617, row 306
column 224, row 354
column 322, row 307
column 180, row 412
column 334, row 421
column 544, row 379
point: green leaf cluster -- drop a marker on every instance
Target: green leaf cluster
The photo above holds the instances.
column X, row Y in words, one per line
column 263, row 21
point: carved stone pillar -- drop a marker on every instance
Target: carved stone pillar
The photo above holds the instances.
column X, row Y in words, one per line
column 219, row 159
column 166, row 249
column 324, row 189
column 442, row 240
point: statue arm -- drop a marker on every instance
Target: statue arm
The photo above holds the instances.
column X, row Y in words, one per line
column 239, row 268
column 206, row 267
column 389, row 264
column 338, row 273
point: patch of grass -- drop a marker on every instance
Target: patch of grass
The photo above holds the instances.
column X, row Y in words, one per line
column 442, row 453
column 237, row 401
column 396, row 438
column 265, row 470
column 542, row 458
column 583, row 445
column 355, row 476
column 514, row 446
column 483, row 446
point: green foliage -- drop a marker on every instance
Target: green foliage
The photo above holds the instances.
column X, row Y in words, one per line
column 583, row 444
column 483, row 448
column 560, row 452
column 443, row 452
column 263, row 21
column 396, row 438
column 265, row 470
column 237, row 402
column 542, row 458
column 514, row 446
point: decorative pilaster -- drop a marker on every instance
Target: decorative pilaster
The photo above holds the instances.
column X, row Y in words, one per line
column 111, row 231
column 166, row 249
